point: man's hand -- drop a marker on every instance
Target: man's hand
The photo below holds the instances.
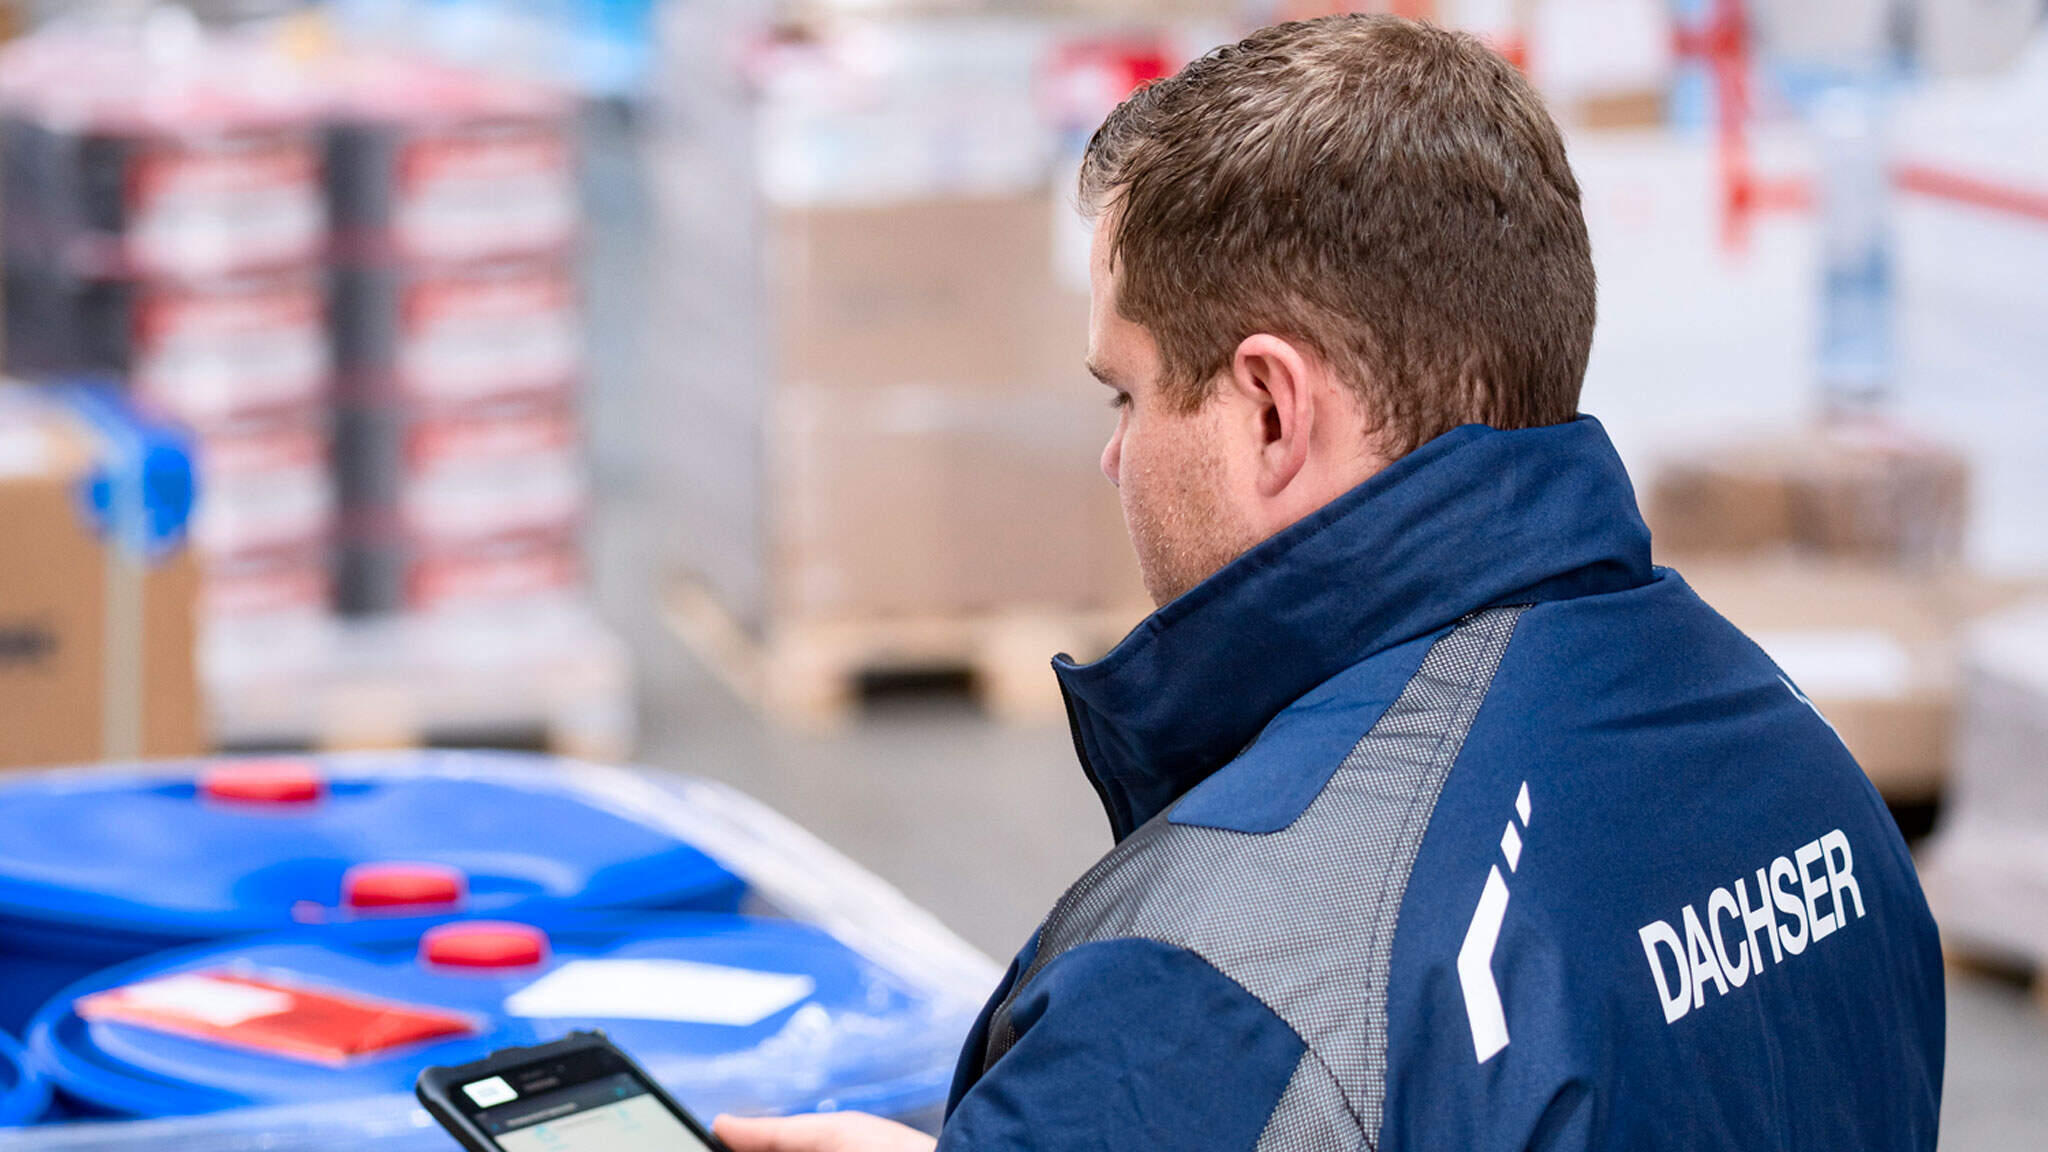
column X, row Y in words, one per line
column 820, row 1132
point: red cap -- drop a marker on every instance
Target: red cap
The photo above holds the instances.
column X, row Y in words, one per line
column 484, row 944
column 402, row 885
column 263, row 782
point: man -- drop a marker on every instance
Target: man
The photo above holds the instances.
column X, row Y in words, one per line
column 1444, row 820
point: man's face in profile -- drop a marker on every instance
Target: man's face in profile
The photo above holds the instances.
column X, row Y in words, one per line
column 1172, row 468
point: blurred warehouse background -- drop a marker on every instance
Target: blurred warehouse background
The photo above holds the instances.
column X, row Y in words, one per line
column 697, row 382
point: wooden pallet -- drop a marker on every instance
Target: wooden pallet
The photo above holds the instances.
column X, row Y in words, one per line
column 1997, row 967
column 375, row 721
column 811, row 672
column 559, row 681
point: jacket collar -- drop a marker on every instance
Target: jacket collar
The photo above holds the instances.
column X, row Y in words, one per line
column 1475, row 518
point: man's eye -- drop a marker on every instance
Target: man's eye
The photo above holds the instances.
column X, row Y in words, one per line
column 1120, row 400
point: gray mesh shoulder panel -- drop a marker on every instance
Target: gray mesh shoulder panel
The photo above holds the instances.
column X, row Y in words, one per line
column 1302, row 918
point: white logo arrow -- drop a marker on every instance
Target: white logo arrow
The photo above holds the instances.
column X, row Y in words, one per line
column 1475, row 957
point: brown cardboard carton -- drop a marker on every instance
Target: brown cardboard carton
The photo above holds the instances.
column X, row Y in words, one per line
column 82, row 678
column 1858, row 492
column 925, row 444
column 1874, row 649
column 947, row 292
column 1638, row 107
column 935, row 501
column 1984, row 871
column 933, row 440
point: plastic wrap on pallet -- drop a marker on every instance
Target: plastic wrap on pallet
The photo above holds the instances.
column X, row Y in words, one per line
column 463, row 333
column 131, row 153
column 263, row 589
column 165, row 225
column 378, row 680
column 810, row 1063
column 206, row 350
column 428, row 162
column 1986, row 872
column 1972, row 224
column 268, row 485
column 472, row 505
column 459, row 337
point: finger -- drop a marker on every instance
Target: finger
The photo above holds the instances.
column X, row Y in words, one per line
column 751, row 1134
column 874, row 1134
column 813, row 1133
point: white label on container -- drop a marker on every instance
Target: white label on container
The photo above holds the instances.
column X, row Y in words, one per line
column 1842, row 664
column 219, row 1003
column 678, row 990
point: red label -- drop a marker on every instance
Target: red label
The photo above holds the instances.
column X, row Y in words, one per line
column 230, row 173
column 319, row 1026
column 521, row 298
column 506, row 154
column 454, row 443
column 449, row 581
column 264, row 454
column 1088, row 77
column 166, row 318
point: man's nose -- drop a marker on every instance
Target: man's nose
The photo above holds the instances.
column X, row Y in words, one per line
column 1112, row 453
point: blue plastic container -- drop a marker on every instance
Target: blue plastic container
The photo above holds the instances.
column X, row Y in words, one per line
column 829, row 1029
column 99, row 867
column 23, row 1094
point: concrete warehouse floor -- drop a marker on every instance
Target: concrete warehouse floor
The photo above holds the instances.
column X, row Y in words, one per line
column 986, row 825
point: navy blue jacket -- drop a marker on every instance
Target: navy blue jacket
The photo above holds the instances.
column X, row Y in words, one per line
column 1446, row 821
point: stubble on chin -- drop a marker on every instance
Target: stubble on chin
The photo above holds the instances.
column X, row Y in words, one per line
column 1181, row 529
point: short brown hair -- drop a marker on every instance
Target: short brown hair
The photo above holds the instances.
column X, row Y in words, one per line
column 1389, row 193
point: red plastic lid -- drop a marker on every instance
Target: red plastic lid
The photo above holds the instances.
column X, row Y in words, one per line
column 484, row 944
column 403, row 885
column 263, row 782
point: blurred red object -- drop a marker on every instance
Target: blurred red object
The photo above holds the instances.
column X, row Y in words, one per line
column 1724, row 41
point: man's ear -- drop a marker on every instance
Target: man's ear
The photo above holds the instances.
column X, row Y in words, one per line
column 1276, row 378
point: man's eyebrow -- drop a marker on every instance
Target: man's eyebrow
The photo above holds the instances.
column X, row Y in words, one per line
column 1100, row 373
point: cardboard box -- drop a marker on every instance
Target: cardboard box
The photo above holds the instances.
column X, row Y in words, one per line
column 924, row 441
column 1865, row 493
column 1872, row 650
column 1599, row 64
column 1986, row 868
column 96, row 638
column 1621, row 109
column 928, row 501
column 932, row 439
column 1875, row 649
column 2003, row 727
column 945, row 292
